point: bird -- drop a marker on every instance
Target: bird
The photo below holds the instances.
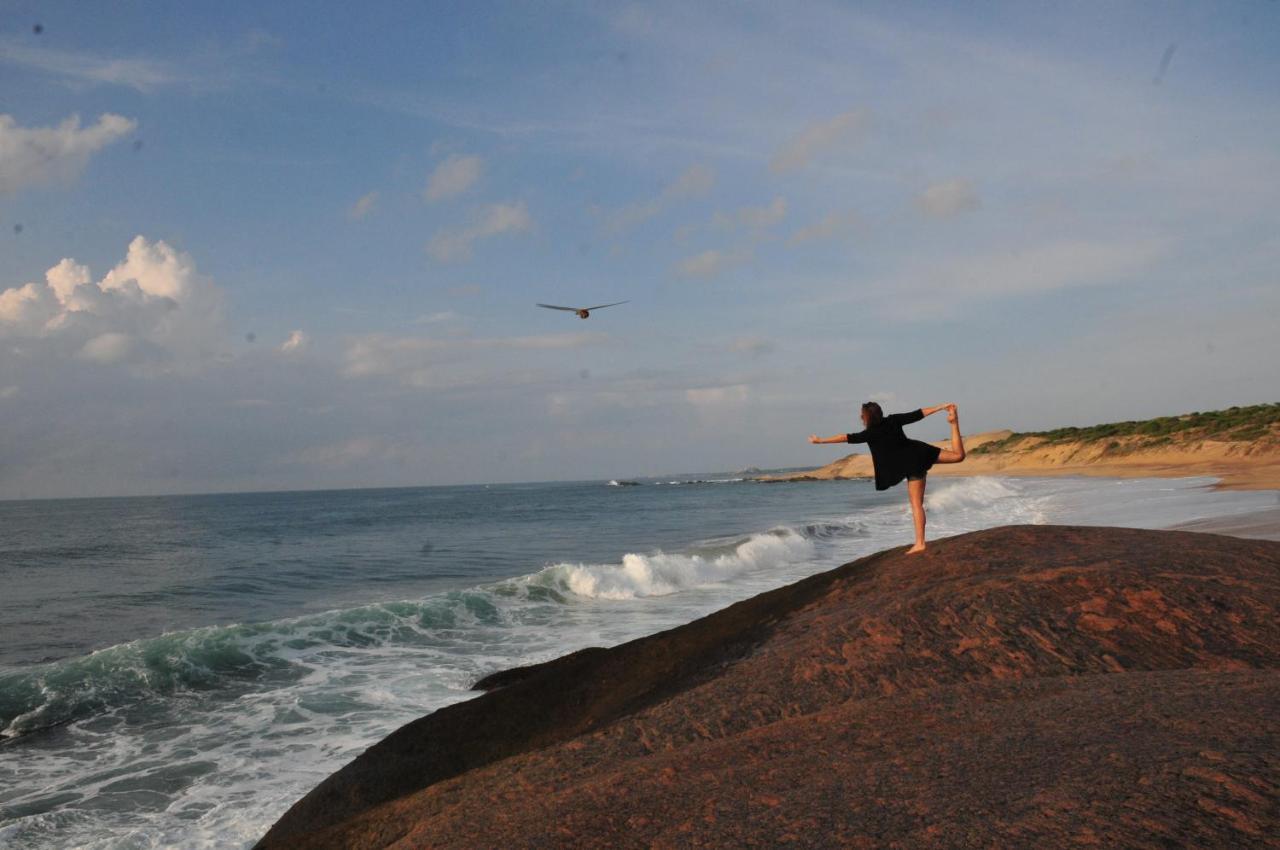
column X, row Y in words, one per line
column 583, row 312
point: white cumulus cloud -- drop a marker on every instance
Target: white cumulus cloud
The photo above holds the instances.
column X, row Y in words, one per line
column 509, row 217
column 153, row 302
column 453, row 176
column 31, row 156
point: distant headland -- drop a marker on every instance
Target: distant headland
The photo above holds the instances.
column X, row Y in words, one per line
column 1239, row 445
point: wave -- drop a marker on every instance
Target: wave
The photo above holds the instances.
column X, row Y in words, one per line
column 661, row 573
column 233, row 659
column 1003, row 499
column 224, row 658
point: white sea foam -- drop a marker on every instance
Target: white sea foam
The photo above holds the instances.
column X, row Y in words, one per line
column 662, row 573
column 982, row 501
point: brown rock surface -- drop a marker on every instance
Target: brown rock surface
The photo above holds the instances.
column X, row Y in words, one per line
column 1030, row 686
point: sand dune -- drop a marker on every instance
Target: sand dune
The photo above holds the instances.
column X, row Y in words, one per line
column 1240, row 465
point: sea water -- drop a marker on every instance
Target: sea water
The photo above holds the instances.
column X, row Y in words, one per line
column 176, row 671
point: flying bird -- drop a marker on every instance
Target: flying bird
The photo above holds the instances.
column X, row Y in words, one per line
column 582, row 312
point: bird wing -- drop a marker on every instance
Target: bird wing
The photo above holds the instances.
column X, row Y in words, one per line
column 554, row 307
column 602, row 306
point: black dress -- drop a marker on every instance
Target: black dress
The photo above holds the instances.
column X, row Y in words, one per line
column 894, row 454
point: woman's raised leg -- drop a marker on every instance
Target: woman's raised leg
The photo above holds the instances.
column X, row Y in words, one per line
column 956, row 453
column 915, row 493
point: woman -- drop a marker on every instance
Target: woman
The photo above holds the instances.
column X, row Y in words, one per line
column 896, row 456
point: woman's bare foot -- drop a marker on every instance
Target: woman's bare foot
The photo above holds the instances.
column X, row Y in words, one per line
column 919, row 547
column 952, row 414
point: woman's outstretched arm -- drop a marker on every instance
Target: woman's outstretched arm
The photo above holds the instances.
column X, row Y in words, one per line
column 856, row 437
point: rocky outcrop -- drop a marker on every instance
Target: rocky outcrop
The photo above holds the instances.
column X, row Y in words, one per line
column 1038, row 686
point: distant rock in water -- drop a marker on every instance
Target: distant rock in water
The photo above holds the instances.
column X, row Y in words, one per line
column 1028, row 686
column 614, row 482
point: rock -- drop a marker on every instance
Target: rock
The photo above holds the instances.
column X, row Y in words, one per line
column 1032, row 686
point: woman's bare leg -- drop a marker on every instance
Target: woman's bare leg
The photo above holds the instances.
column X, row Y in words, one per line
column 915, row 493
column 956, row 453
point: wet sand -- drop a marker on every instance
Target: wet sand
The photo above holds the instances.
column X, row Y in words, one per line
column 1259, row 525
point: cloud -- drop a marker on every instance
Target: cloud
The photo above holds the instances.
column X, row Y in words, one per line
column 754, row 345
column 886, row 399
column 694, row 182
column 816, row 139
column 363, row 206
column 445, row 363
column 350, row 451
column 9, row 391
column 111, row 347
column 936, row 288
column 830, row 225
column 140, row 74
column 755, row 218
column 708, row 264
column 441, row 317
column 450, row 245
column 948, row 198
column 297, row 341
column 717, row 396
column 31, row 156
column 453, row 176
column 152, row 305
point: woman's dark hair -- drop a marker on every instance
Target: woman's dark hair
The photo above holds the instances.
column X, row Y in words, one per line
column 874, row 413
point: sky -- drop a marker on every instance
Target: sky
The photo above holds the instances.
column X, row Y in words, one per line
column 298, row 245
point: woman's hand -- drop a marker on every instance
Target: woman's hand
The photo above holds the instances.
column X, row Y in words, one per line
column 813, row 438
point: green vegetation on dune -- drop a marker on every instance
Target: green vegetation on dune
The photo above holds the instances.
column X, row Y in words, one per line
column 1243, row 424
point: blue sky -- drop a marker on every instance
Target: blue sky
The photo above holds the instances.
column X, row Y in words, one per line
column 299, row 246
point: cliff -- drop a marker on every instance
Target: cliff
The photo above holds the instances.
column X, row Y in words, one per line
column 1044, row 686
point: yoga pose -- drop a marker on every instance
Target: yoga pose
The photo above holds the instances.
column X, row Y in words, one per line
column 896, row 456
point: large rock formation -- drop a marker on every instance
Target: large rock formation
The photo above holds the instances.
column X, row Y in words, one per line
column 1030, row 686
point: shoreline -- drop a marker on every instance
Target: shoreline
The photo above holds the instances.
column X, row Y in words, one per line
column 1237, row 465
column 1254, row 525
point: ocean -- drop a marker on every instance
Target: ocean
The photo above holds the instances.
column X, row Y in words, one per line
column 176, row 671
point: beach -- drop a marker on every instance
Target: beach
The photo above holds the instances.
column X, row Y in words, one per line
column 1238, row 465
column 1260, row 525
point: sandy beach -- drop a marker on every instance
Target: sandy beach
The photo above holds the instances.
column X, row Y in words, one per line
column 1259, row 525
column 1238, row 465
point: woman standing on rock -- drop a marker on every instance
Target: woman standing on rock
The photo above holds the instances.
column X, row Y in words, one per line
column 896, row 456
